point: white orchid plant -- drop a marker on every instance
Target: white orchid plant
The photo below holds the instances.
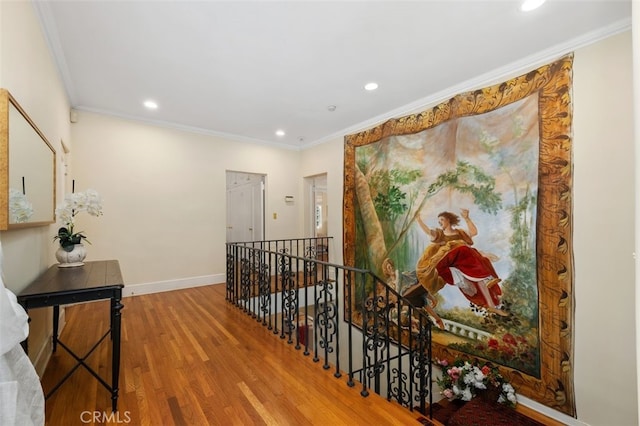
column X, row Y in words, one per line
column 88, row 201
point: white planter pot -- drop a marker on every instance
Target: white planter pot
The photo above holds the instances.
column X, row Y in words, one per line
column 69, row 259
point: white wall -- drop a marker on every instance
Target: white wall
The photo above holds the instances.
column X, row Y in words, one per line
column 29, row 74
column 636, row 97
column 604, row 233
column 604, row 192
column 164, row 196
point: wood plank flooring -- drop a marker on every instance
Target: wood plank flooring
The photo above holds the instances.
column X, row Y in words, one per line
column 190, row 358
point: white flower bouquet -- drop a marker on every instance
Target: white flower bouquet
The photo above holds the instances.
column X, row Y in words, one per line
column 73, row 204
column 464, row 380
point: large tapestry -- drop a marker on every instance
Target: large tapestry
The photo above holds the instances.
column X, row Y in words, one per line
column 470, row 202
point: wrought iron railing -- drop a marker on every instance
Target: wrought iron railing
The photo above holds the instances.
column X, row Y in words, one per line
column 346, row 318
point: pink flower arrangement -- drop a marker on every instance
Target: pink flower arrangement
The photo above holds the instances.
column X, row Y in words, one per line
column 464, row 380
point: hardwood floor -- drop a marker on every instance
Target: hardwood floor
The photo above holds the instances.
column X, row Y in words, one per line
column 190, row 358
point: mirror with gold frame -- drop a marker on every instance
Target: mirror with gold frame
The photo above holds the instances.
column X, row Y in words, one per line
column 27, row 169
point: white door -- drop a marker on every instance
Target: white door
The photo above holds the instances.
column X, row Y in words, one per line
column 320, row 208
column 320, row 213
column 245, row 207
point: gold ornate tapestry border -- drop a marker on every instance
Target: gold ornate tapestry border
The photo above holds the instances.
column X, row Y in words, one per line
column 553, row 83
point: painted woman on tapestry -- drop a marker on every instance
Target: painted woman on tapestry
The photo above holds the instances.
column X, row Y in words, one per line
column 451, row 259
column 453, row 207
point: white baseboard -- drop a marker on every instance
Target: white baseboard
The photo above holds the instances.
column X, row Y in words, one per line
column 169, row 285
column 550, row 412
column 42, row 358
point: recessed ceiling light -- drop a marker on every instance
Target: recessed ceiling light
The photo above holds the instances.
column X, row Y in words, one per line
column 150, row 104
column 331, row 108
column 529, row 5
column 280, row 133
column 371, row 86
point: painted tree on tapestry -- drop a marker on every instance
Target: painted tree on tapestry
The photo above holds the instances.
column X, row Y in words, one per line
column 483, row 169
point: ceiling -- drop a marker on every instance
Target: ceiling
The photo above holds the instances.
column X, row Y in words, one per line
column 244, row 69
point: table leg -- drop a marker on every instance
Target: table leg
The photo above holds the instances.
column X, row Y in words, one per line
column 56, row 321
column 111, row 318
column 116, row 307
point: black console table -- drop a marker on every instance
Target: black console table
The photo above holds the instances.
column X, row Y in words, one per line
column 98, row 280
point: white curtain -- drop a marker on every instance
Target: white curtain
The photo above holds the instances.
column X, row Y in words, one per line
column 21, row 396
